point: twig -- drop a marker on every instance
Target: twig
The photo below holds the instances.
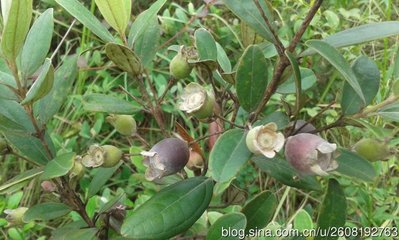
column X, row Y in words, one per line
column 170, row 84
column 62, row 40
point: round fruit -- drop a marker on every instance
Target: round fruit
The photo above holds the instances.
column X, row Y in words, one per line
column 124, row 124
column 372, row 149
column 179, row 67
column 112, row 156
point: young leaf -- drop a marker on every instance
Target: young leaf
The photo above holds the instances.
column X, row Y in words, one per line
column 42, row 85
column 14, row 117
column 251, row 78
column 228, row 155
column 124, row 58
column 308, row 80
column 116, row 13
column 337, row 60
column 59, row 166
column 360, row 34
column 206, row 45
column 260, row 210
column 282, row 171
column 16, row 28
column 303, row 221
column 109, row 104
column 223, row 59
column 143, row 19
column 77, row 10
column 100, row 178
column 231, row 221
column 333, row 209
column 147, row 43
column 353, row 165
column 46, row 211
column 37, row 44
column 368, row 76
column 390, row 112
column 171, row 211
column 249, row 13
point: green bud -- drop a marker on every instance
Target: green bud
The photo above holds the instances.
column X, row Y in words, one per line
column 124, row 124
column 112, row 156
column 78, row 170
column 179, row 66
column 372, row 149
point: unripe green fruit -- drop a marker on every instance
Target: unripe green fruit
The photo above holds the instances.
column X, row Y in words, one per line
column 372, row 149
column 179, row 67
column 3, row 144
column 207, row 109
column 124, row 124
column 112, row 156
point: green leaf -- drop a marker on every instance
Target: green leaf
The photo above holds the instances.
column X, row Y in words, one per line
column 59, row 166
column 260, row 210
column 249, row 13
column 353, row 165
column 171, row 211
column 390, row 112
column 7, row 81
column 251, row 78
column 28, row 145
column 368, row 76
column 303, row 221
column 22, row 177
column 223, row 59
column 360, row 34
column 337, row 60
column 124, row 58
column 14, row 117
column 308, row 80
column 111, row 203
column 231, row 221
column 228, row 155
column 280, row 118
column 16, row 28
column 109, row 104
column 85, row 233
column 147, row 43
column 206, row 45
column 142, row 21
column 46, row 211
column 100, row 178
column 37, row 44
column 43, row 84
column 116, row 13
column 297, row 79
column 64, row 78
column 333, row 209
column 78, row 11
column 282, row 171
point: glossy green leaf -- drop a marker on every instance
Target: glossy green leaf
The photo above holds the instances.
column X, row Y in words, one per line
column 303, row 221
column 353, row 165
column 124, row 58
column 142, row 21
column 360, row 34
column 109, row 104
column 282, row 171
column 22, row 177
column 27, row 145
column 337, row 60
column 147, row 43
column 223, row 59
column 280, row 118
column 368, row 76
column 308, row 80
column 251, row 78
column 46, row 211
column 37, row 44
column 59, row 166
column 43, row 84
column 390, row 112
column 333, row 209
column 260, row 210
column 116, row 13
column 231, row 221
column 14, row 117
column 16, row 28
column 78, row 11
column 171, row 211
column 100, row 178
column 205, row 44
column 228, row 155
column 249, row 13
column 64, row 78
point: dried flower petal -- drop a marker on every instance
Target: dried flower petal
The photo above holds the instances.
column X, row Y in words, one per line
column 265, row 140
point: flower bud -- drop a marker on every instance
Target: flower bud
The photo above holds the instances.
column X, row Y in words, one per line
column 124, row 124
column 167, row 157
column 15, row 216
column 302, row 126
column 195, row 161
column 48, row 186
column 78, row 170
column 265, row 140
column 179, row 66
column 311, row 154
column 372, row 149
column 197, row 101
column 112, row 156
